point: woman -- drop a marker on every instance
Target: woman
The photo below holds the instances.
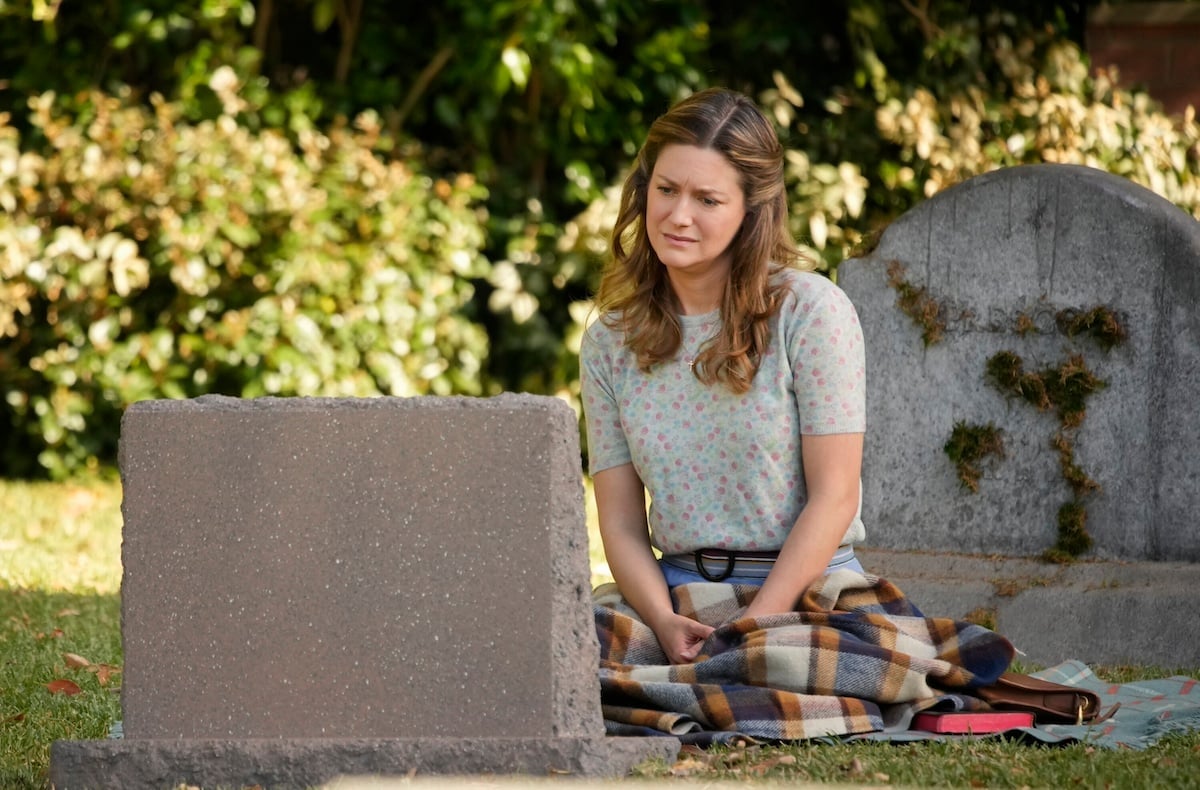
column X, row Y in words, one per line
column 720, row 379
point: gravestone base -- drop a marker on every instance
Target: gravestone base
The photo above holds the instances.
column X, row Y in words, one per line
column 283, row 764
column 1097, row 611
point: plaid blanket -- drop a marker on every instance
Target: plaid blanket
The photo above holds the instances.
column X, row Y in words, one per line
column 854, row 647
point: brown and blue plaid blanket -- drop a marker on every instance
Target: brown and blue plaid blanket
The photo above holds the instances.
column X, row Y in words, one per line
column 855, row 655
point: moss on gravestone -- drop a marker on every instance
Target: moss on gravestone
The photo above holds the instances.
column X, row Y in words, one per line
column 969, row 445
column 1065, row 389
column 1073, row 537
column 915, row 302
column 1073, row 473
column 1099, row 323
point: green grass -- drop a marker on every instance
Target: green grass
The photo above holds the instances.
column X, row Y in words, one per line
column 1173, row 763
column 37, row 629
column 60, row 572
column 61, row 537
column 59, row 581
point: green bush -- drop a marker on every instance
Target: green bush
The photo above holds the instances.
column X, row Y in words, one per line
column 190, row 245
column 886, row 145
column 150, row 257
column 1035, row 100
column 991, row 94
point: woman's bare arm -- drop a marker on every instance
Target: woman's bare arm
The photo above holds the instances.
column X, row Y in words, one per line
column 832, row 469
column 621, row 506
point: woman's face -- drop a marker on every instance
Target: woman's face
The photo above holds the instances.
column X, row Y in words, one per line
column 694, row 208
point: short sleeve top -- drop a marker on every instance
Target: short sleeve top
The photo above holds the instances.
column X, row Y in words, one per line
column 724, row 470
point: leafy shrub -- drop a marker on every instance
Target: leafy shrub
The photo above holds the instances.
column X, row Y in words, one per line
column 991, row 94
column 1041, row 104
column 1029, row 99
column 188, row 248
column 150, row 257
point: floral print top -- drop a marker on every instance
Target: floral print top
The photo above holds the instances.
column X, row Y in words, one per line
column 725, row 470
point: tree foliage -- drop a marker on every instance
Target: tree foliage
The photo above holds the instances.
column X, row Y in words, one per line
column 147, row 256
column 269, row 197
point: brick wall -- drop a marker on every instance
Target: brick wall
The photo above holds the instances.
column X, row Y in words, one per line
column 1155, row 46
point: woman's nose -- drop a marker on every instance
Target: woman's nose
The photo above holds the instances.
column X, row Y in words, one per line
column 681, row 212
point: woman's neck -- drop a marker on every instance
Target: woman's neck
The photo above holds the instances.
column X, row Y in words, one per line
column 699, row 293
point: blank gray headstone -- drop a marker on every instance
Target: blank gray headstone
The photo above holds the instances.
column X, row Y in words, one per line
column 315, row 587
column 355, row 568
column 1035, row 240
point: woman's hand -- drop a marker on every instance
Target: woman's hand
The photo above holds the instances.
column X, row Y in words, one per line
column 621, row 505
column 680, row 637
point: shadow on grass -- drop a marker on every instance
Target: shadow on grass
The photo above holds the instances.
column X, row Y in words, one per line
column 60, row 678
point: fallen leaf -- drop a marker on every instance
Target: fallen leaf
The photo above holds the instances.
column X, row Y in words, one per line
column 67, row 613
column 16, row 717
column 763, row 767
column 75, row 661
column 687, row 767
column 61, row 686
column 104, row 672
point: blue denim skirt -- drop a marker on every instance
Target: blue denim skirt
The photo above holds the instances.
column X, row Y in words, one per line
column 682, row 568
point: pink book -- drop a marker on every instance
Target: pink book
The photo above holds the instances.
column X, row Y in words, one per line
column 972, row 723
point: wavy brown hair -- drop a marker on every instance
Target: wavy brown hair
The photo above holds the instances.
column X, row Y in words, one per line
column 635, row 294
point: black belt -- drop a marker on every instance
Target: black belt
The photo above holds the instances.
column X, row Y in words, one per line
column 725, row 562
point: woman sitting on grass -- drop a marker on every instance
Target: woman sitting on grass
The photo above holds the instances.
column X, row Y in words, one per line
column 721, row 379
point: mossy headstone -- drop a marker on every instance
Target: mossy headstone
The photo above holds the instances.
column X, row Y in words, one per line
column 1053, row 280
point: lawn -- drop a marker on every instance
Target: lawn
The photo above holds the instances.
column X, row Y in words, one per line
column 60, row 661
column 60, row 621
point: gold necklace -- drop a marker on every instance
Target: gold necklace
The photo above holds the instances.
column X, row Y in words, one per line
column 690, row 357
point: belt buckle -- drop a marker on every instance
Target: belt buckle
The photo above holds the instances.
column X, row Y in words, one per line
column 727, row 555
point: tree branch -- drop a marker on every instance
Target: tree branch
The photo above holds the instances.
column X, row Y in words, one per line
column 349, row 14
column 420, row 85
column 928, row 29
column 262, row 26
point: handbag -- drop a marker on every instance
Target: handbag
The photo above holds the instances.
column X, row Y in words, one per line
column 1049, row 702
